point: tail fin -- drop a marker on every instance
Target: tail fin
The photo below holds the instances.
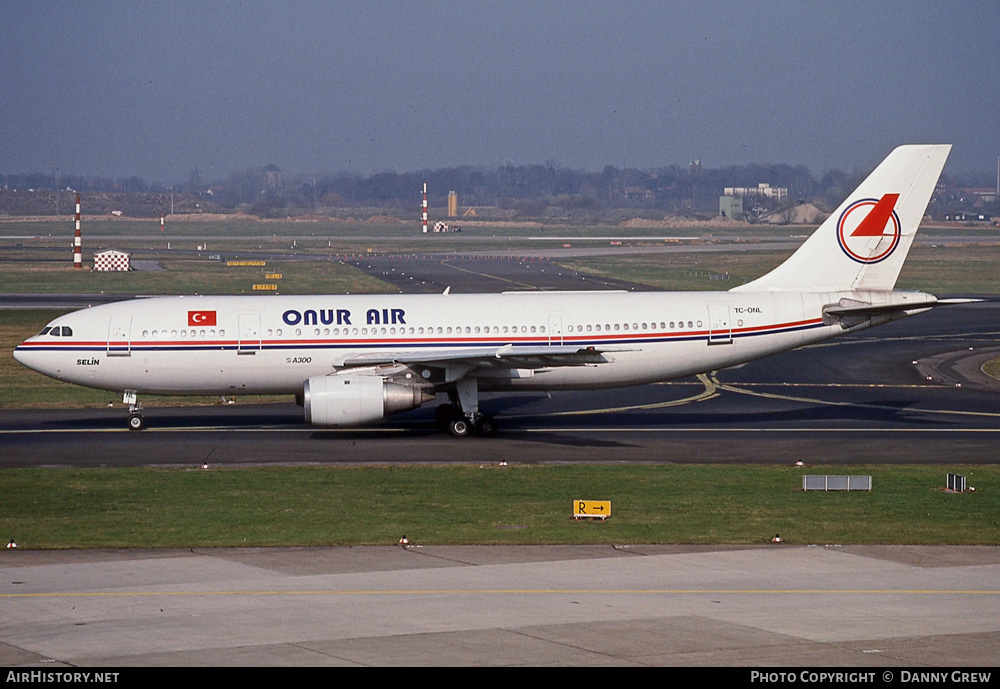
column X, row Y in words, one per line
column 862, row 246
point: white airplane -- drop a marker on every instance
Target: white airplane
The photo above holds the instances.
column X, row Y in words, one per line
column 355, row 359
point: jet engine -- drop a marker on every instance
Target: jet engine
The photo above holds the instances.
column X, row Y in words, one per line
column 347, row 399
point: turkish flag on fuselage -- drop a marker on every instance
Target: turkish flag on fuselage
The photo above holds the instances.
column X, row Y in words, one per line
column 201, row 317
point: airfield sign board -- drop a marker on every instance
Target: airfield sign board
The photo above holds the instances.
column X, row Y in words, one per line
column 591, row 509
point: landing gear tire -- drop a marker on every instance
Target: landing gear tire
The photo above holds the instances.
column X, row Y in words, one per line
column 486, row 426
column 460, row 427
column 136, row 422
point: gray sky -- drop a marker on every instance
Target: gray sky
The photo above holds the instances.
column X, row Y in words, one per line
column 156, row 89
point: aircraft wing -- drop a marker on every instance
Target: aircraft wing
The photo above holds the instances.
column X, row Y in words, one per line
column 506, row 356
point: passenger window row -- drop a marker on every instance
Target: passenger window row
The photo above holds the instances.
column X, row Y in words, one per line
column 183, row 333
column 65, row 331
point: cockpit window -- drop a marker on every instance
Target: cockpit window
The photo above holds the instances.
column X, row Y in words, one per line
column 45, row 330
column 67, row 331
column 58, row 331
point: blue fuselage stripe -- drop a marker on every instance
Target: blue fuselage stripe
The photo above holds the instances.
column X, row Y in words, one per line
column 418, row 344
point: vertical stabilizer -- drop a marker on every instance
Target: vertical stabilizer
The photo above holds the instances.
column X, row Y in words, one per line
column 863, row 244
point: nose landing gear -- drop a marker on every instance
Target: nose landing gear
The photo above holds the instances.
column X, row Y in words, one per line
column 136, row 422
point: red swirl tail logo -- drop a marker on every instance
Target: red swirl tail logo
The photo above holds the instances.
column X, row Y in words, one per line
column 868, row 230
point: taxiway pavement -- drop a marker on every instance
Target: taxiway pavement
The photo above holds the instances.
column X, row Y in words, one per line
column 776, row 606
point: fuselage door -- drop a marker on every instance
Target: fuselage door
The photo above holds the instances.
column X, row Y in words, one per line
column 720, row 327
column 120, row 335
column 249, row 333
column 555, row 329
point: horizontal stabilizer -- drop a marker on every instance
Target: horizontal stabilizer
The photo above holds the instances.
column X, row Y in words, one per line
column 861, row 309
column 958, row 300
column 884, row 303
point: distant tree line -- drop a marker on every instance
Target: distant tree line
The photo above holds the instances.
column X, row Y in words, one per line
column 670, row 189
column 528, row 190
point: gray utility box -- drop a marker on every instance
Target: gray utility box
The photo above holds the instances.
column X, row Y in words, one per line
column 836, row 482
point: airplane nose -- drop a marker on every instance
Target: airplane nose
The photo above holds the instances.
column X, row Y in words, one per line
column 50, row 364
column 26, row 357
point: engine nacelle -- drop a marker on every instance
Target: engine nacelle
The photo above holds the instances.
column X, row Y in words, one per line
column 350, row 399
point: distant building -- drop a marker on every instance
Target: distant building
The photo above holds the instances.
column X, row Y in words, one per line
column 968, row 217
column 273, row 177
column 111, row 260
column 762, row 189
column 731, row 207
column 639, row 193
column 980, row 194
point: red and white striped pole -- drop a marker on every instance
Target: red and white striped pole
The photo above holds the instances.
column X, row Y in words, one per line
column 161, row 222
column 77, row 244
column 425, row 208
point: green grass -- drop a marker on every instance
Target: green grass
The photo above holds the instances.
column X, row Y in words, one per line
column 361, row 227
column 165, row 508
column 44, row 229
column 681, row 271
column 53, row 251
column 952, row 269
column 937, row 270
column 992, row 368
column 189, row 276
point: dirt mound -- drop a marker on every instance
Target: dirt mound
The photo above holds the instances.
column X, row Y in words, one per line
column 803, row 214
column 681, row 221
column 208, row 217
column 385, row 220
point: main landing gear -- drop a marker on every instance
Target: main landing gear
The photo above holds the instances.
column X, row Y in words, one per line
column 451, row 418
column 461, row 417
column 136, row 422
